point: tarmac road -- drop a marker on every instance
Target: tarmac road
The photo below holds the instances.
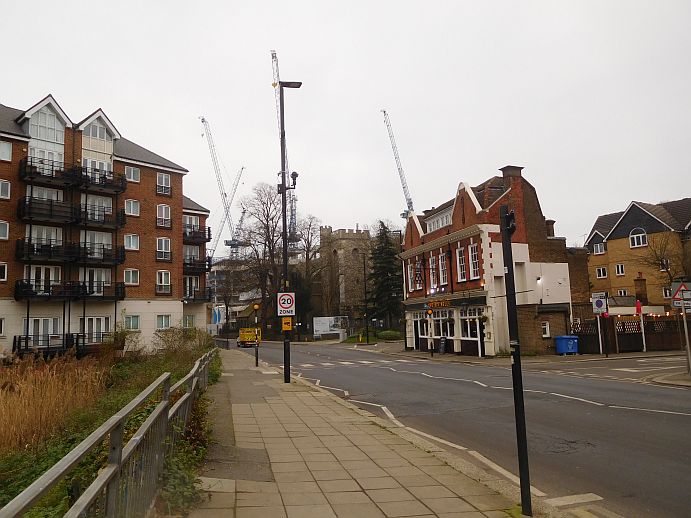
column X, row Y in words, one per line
column 624, row 440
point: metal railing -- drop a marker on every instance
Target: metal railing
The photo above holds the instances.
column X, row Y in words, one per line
column 196, row 233
column 126, row 485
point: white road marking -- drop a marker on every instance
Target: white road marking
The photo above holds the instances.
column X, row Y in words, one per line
column 404, row 361
column 676, row 359
column 385, row 361
column 269, row 372
column 345, row 392
column 577, row 399
column 346, row 363
column 327, row 364
column 306, row 365
column 646, row 369
column 392, row 417
column 479, row 383
column 648, row 410
column 573, row 499
column 318, row 382
column 435, row 438
column 507, row 474
column 364, row 361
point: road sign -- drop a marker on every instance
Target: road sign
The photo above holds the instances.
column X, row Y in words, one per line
column 287, row 324
column 286, row 305
column 599, row 302
column 677, row 303
column 679, row 290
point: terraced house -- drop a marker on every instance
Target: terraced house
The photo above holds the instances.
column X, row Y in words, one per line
column 95, row 233
column 454, row 272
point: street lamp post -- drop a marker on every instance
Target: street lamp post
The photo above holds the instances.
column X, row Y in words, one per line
column 256, row 336
column 283, row 189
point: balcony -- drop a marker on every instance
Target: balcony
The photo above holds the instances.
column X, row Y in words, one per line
column 47, row 172
column 97, row 180
column 196, row 235
column 195, row 266
column 102, row 217
column 49, row 211
column 45, row 251
column 47, row 344
column 164, row 289
column 31, row 289
column 198, row 295
column 164, row 223
column 100, row 253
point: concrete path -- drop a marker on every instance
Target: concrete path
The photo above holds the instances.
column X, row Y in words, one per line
column 293, row 451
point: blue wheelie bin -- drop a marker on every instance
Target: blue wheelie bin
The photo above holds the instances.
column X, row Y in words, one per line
column 566, row 344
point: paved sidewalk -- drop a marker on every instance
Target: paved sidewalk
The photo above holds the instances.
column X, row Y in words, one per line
column 292, row 451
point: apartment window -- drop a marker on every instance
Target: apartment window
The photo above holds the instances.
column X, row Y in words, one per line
column 474, row 262
column 190, row 223
column 2, row 327
column 163, row 183
column 132, row 207
column 131, row 276
column 163, row 249
column 411, row 286
column 4, row 230
column 162, row 322
column 131, row 241
column 638, row 238
column 601, row 272
column 97, row 130
column 3, row 271
column 132, row 322
column 163, row 282
column 664, row 265
column 443, row 272
column 432, row 272
column 545, row 329
column 46, row 126
column 460, row 263
column 163, row 216
column 598, row 248
column 419, row 272
column 132, row 174
column 4, row 189
column 622, row 293
column 667, row 292
column 188, row 321
column 619, row 269
column 6, row 151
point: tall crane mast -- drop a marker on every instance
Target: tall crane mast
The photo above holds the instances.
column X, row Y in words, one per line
column 401, row 174
column 225, row 199
column 292, row 199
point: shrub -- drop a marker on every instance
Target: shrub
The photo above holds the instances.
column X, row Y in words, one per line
column 389, row 335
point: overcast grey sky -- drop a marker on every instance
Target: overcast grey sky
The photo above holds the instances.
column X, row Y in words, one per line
column 591, row 97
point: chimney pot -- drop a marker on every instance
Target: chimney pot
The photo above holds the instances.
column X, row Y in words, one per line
column 550, row 227
column 511, row 170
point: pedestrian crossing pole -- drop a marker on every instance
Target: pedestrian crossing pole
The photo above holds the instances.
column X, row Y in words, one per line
column 508, row 227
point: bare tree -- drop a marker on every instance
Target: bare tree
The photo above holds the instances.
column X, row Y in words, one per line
column 308, row 235
column 665, row 253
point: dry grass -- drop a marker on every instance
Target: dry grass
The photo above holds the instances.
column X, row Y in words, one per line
column 38, row 397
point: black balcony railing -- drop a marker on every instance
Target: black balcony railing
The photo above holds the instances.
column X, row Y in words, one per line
column 195, row 235
column 47, row 172
column 198, row 295
column 103, row 217
column 164, row 222
column 193, row 265
column 165, row 190
column 100, row 180
column 44, row 250
column 33, row 289
column 48, row 344
column 164, row 289
column 54, row 211
column 164, row 256
column 100, row 253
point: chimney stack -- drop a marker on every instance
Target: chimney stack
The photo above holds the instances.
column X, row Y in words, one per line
column 549, row 223
column 511, row 170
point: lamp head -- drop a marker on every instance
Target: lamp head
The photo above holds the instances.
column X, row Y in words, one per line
column 294, row 177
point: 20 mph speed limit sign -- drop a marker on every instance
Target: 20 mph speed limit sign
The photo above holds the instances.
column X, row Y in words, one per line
column 286, row 304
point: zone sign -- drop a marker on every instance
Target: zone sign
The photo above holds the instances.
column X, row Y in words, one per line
column 286, row 304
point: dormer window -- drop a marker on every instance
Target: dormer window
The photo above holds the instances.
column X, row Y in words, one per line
column 598, row 248
column 638, row 238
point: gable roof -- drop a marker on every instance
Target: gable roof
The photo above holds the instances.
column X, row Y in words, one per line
column 489, row 191
column 95, row 115
column 8, row 121
column 128, row 150
column 189, row 204
column 48, row 99
column 680, row 210
column 436, row 210
column 604, row 224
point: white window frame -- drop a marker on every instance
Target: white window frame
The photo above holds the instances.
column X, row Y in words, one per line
column 161, row 219
column 619, row 271
column 2, row 326
column 601, row 272
column 433, row 280
column 7, row 230
column 3, row 271
column 186, row 321
column 163, row 183
column 128, row 322
column 443, row 269
column 163, row 275
column 4, row 145
column 411, row 273
column 164, row 322
column 5, row 185
column 461, row 273
column 130, row 174
column 598, row 248
column 622, row 292
column 544, row 326
column 130, row 204
column 419, row 273
column 639, row 239
column 131, row 272
column 474, row 262
column 163, row 249
column 666, row 292
column 132, row 237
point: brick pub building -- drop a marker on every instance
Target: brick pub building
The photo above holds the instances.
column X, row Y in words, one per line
column 453, row 267
column 95, row 233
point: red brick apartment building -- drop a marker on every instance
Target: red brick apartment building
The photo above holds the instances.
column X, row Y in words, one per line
column 95, row 233
column 453, row 266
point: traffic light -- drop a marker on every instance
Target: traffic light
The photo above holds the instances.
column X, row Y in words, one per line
column 510, row 222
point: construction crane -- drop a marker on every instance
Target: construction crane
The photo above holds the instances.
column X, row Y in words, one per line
column 235, row 243
column 401, row 174
column 221, row 226
column 225, row 199
column 292, row 199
